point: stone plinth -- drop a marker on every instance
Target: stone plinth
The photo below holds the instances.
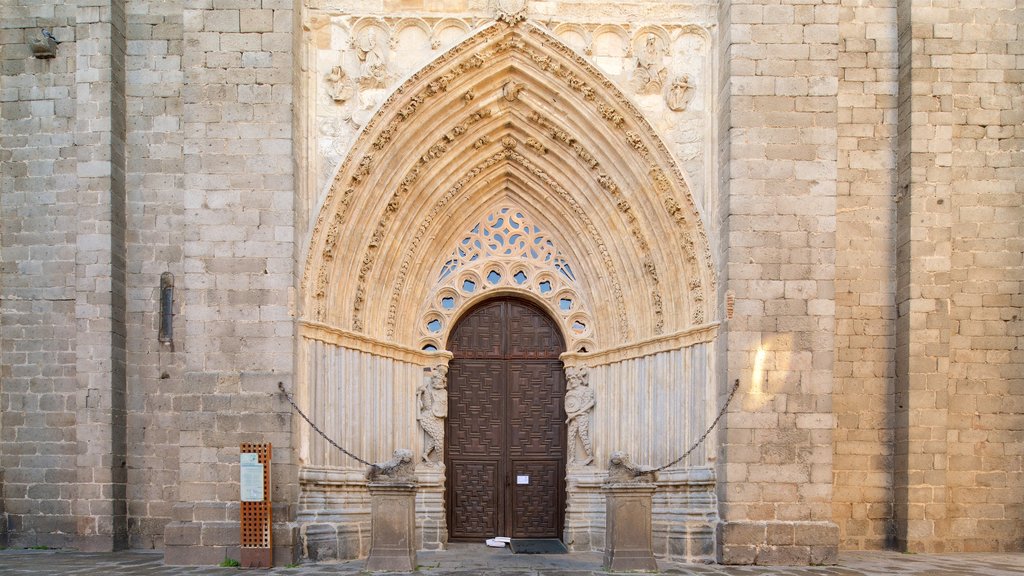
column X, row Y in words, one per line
column 392, row 527
column 628, row 543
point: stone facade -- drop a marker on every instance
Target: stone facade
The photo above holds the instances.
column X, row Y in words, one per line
column 822, row 200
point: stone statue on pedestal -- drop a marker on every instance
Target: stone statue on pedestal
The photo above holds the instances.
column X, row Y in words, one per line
column 431, row 411
column 399, row 469
column 621, row 470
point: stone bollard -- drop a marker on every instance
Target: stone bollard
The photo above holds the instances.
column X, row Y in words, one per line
column 392, row 515
column 628, row 495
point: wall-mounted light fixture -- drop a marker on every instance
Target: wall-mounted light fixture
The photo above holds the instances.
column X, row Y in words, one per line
column 45, row 46
column 166, row 335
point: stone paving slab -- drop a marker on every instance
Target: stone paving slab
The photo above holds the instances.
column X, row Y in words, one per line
column 474, row 560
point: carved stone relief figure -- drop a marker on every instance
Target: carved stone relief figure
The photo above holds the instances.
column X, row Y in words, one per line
column 399, row 469
column 510, row 90
column 373, row 64
column 679, row 94
column 431, row 411
column 338, row 86
column 579, row 404
column 650, row 72
column 621, row 470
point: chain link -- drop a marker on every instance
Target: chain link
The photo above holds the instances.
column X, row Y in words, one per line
column 735, row 387
column 280, row 386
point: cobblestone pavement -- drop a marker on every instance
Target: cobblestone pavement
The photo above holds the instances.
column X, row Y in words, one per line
column 469, row 560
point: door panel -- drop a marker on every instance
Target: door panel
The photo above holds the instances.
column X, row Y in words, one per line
column 475, row 500
column 506, row 420
column 534, row 501
column 535, row 412
column 476, row 408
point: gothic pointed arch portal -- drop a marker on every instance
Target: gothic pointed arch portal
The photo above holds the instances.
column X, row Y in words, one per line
column 568, row 199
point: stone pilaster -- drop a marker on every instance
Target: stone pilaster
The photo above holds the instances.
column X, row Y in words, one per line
column 959, row 202
column 865, row 274
column 779, row 134
column 100, row 504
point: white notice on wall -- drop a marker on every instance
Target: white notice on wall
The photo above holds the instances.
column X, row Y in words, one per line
column 251, row 478
column 520, row 479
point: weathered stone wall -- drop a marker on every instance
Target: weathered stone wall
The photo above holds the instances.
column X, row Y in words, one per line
column 155, row 213
column 237, row 260
column 39, row 219
column 958, row 364
column 776, row 467
column 865, row 274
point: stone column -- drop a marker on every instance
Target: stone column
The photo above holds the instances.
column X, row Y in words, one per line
column 628, row 543
column 392, row 527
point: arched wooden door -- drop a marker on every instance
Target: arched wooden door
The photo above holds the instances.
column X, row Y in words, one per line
column 505, row 455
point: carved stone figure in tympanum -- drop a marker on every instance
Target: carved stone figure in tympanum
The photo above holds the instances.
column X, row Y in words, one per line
column 338, row 86
column 373, row 64
column 431, row 411
column 679, row 94
column 579, row 404
column 650, row 72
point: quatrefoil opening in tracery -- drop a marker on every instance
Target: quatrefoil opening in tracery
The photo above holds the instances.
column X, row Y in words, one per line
column 506, row 252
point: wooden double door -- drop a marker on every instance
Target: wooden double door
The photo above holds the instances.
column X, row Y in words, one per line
column 506, row 434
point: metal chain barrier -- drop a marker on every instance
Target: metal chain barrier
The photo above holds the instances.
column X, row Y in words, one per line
column 735, row 387
column 280, row 386
column 732, row 393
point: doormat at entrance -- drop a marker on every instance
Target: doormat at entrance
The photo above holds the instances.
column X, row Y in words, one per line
column 538, row 546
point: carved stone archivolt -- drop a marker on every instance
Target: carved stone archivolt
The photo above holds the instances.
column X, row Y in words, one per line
column 661, row 205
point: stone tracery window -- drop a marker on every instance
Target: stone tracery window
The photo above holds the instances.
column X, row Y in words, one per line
column 506, row 251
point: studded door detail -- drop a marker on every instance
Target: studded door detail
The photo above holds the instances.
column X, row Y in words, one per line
column 505, row 453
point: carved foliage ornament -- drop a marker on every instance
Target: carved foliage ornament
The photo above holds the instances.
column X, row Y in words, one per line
column 510, row 12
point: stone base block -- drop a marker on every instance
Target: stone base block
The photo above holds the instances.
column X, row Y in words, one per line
column 629, row 545
column 393, row 527
column 207, row 543
column 778, row 543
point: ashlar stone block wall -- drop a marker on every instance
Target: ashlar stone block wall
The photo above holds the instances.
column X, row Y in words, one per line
column 958, row 474
column 237, row 267
column 862, row 497
column 779, row 101
column 154, row 142
column 38, row 227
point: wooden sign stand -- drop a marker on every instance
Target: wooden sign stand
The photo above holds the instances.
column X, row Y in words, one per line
column 256, row 544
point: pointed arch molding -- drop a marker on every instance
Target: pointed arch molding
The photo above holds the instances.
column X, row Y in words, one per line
column 509, row 117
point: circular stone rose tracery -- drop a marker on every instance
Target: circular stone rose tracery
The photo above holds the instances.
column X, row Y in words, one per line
column 506, row 252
